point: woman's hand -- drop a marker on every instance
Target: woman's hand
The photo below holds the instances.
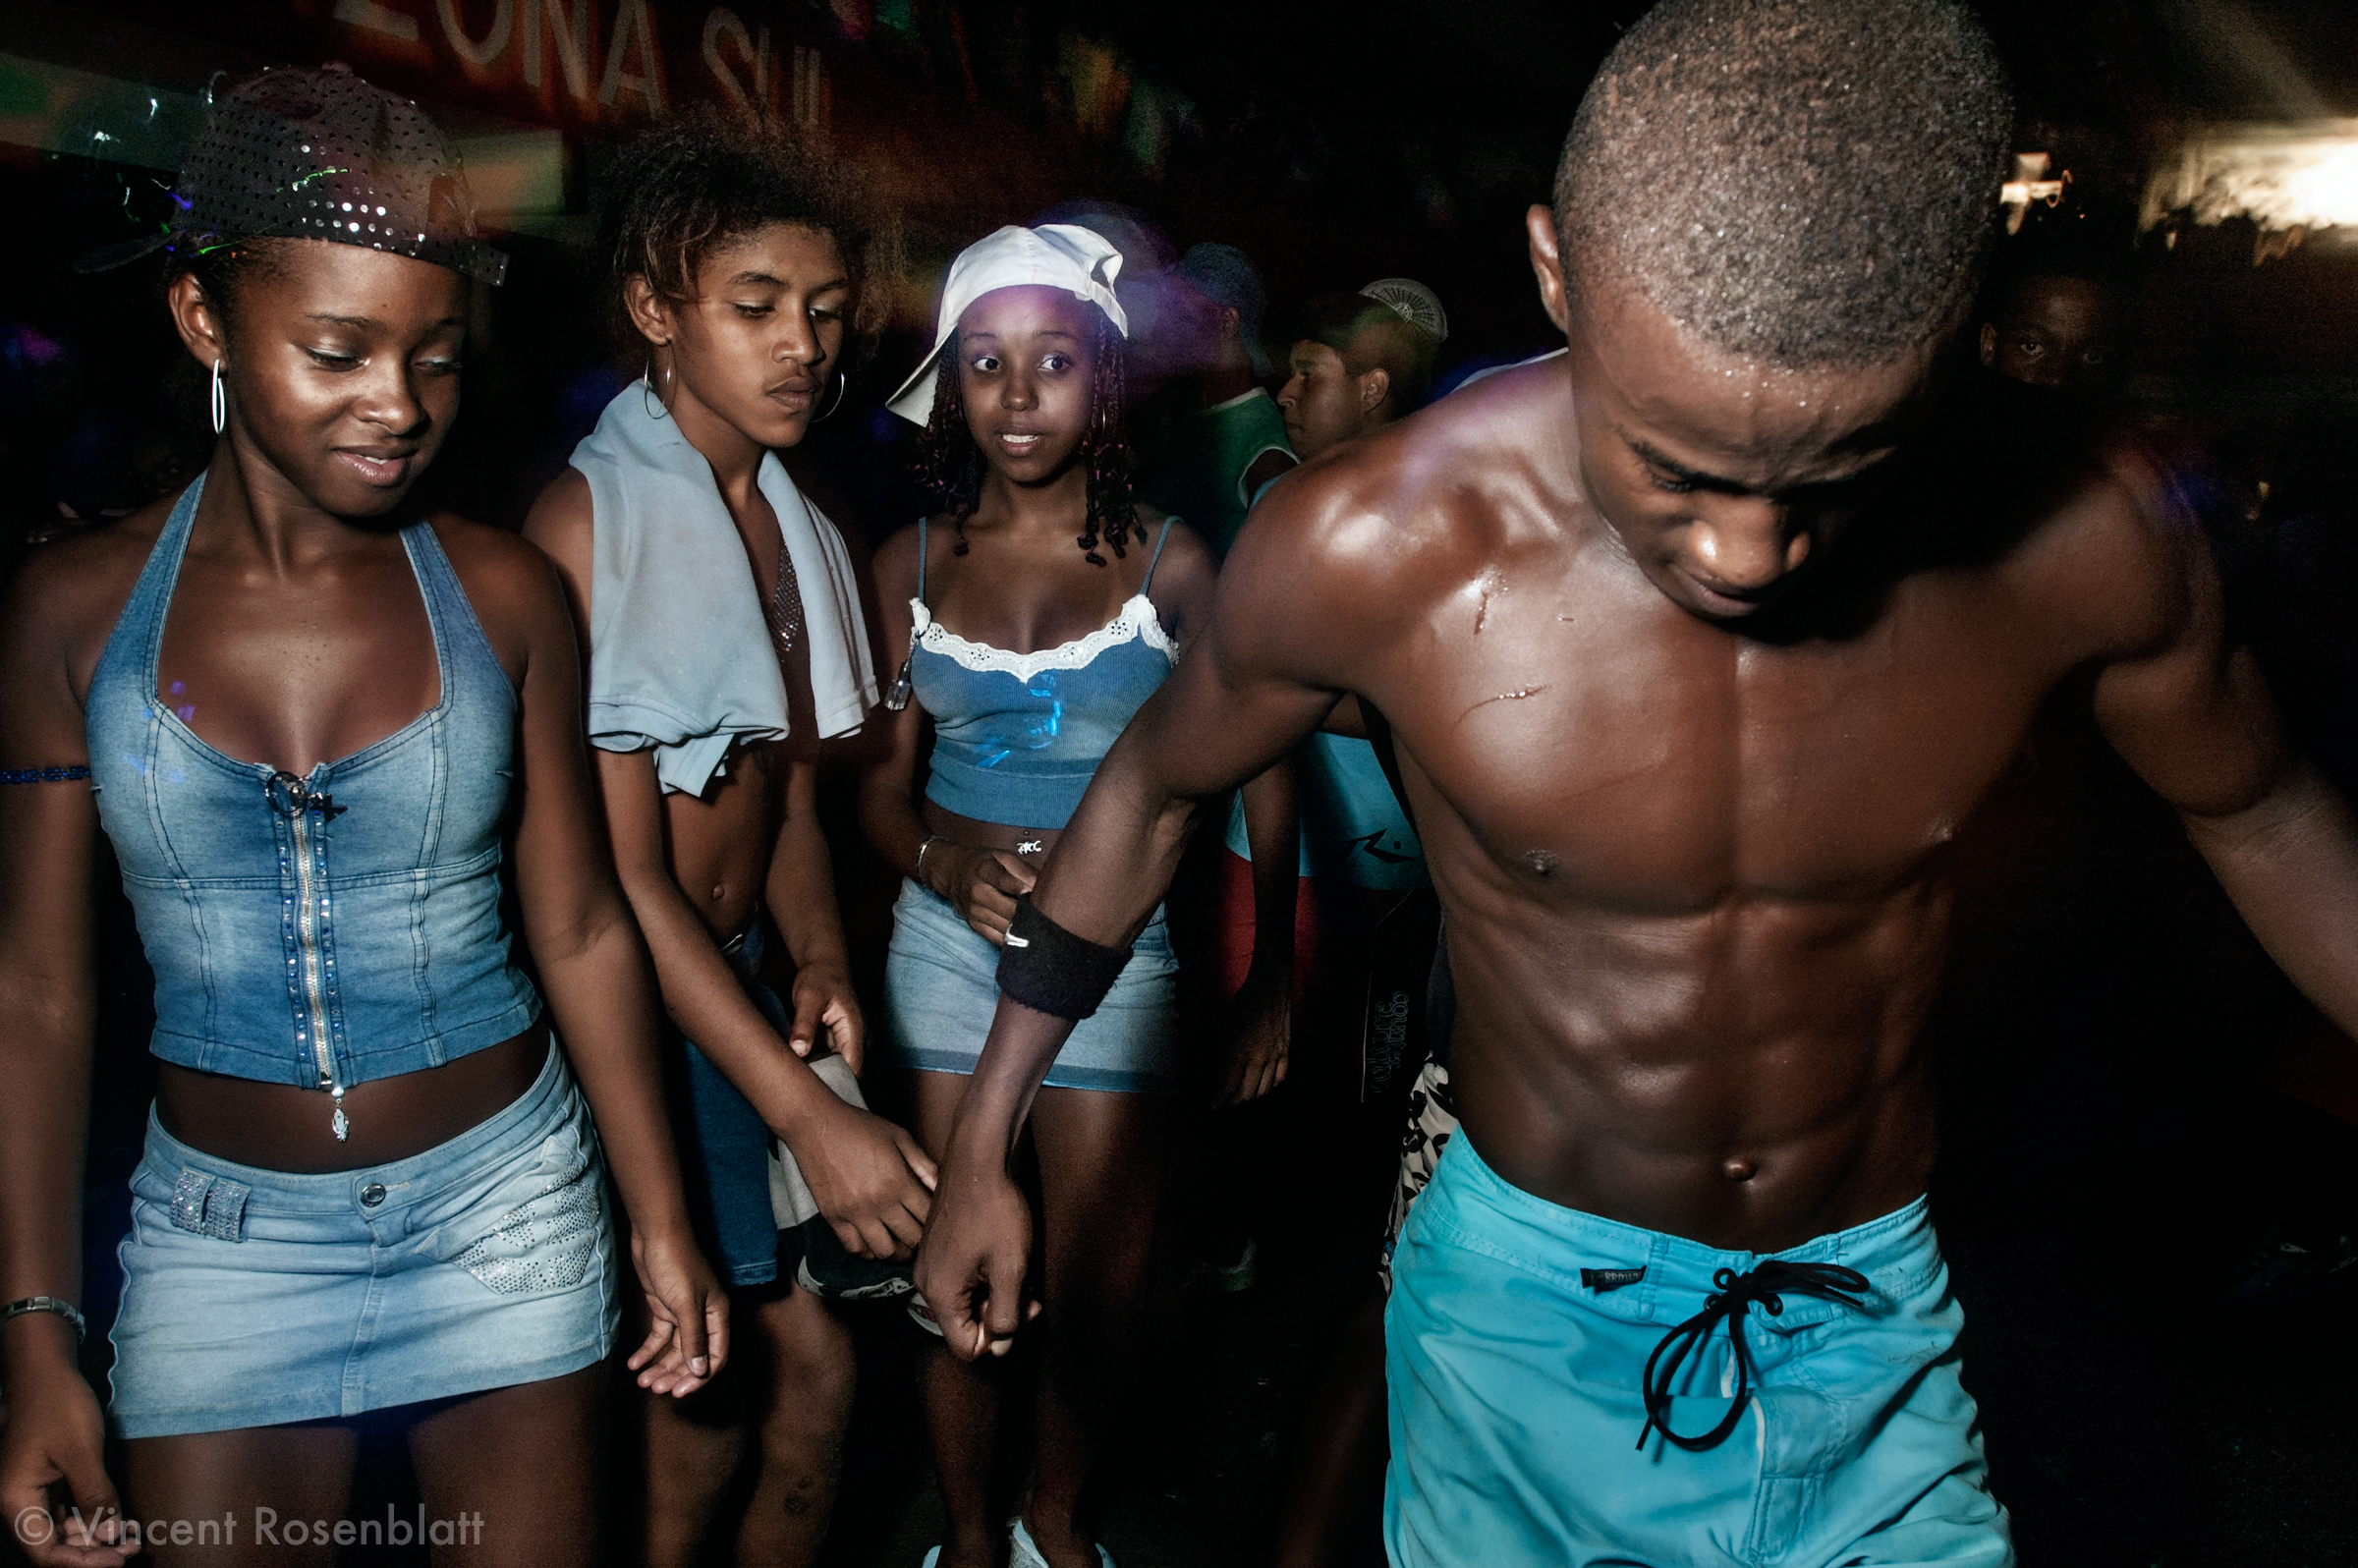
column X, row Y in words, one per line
column 55, row 1442
column 1261, row 1031
column 982, row 884
column 871, row 1181
column 687, row 1312
column 824, row 997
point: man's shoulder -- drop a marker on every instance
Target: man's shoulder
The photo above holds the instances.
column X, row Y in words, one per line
column 104, row 549
column 2121, row 550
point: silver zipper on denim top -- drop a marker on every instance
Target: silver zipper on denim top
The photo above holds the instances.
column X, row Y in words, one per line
column 301, row 804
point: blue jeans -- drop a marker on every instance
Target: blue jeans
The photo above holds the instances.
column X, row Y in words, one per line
column 1516, row 1405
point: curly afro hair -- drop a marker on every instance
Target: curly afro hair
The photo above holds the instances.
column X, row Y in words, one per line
column 702, row 180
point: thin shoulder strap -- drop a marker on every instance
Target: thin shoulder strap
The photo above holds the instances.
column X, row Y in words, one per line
column 1161, row 539
column 151, row 601
column 920, row 560
column 459, row 635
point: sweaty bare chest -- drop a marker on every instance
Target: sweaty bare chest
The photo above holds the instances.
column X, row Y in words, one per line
column 1629, row 753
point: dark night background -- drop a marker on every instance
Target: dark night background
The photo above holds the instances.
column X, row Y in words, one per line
column 2146, row 1186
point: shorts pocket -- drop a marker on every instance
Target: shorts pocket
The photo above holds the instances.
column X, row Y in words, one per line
column 549, row 1241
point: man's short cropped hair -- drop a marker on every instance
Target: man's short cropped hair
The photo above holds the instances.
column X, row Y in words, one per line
column 1808, row 182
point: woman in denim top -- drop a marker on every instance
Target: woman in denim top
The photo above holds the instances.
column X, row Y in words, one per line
column 370, row 1181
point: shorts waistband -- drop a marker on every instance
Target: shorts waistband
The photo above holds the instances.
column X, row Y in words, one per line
column 745, row 949
column 1642, row 1276
column 916, row 895
column 399, row 1182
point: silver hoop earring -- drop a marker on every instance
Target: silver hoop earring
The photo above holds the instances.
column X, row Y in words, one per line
column 843, row 384
column 647, row 395
column 220, row 402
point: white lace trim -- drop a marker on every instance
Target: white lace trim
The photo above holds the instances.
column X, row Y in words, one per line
column 1135, row 620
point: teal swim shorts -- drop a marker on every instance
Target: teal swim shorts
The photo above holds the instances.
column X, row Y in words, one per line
column 1517, row 1346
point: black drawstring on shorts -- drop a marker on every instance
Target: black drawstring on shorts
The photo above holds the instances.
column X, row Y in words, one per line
column 1768, row 1285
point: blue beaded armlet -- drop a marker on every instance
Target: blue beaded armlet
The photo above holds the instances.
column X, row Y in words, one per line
column 44, row 775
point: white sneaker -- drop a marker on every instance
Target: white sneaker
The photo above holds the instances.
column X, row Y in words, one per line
column 1023, row 1552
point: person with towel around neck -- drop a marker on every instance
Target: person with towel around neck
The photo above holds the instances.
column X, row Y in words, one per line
column 724, row 639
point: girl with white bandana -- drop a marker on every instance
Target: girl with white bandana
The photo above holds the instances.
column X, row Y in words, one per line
column 1040, row 606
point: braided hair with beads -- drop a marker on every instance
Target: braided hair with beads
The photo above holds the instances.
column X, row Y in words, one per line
column 949, row 464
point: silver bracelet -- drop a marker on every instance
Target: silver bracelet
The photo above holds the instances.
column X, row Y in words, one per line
column 49, row 1304
column 932, row 839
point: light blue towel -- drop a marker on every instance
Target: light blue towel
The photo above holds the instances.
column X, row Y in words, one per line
column 680, row 657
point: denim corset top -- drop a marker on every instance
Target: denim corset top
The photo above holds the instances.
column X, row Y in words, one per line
column 1017, row 736
column 322, row 931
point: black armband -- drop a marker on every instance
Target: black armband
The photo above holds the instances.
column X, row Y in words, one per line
column 1050, row 970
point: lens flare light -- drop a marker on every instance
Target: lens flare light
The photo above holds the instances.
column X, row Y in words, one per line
column 2288, row 180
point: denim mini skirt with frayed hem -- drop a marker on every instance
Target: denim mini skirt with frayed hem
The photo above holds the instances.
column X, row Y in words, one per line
column 254, row 1298
column 941, row 987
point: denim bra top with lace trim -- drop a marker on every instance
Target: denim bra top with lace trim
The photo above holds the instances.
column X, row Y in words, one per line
column 1017, row 736
column 324, row 931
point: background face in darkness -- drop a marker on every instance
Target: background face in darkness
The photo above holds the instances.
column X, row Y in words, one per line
column 1320, row 400
column 1183, row 331
column 2053, row 331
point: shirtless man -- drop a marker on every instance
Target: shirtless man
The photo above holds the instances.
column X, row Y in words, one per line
column 1696, row 647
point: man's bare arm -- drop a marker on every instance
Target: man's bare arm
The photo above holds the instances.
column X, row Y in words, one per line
column 2195, row 719
column 1261, row 1024
column 1262, row 678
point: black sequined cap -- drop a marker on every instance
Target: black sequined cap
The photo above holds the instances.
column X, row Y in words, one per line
column 324, row 155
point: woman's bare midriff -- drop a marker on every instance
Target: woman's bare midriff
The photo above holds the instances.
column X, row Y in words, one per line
column 281, row 1127
column 1030, row 843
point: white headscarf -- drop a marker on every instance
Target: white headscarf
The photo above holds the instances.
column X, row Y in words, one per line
column 1056, row 255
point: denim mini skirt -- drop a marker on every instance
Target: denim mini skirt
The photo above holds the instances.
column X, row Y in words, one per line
column 254, row 1298
column 941, row 987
